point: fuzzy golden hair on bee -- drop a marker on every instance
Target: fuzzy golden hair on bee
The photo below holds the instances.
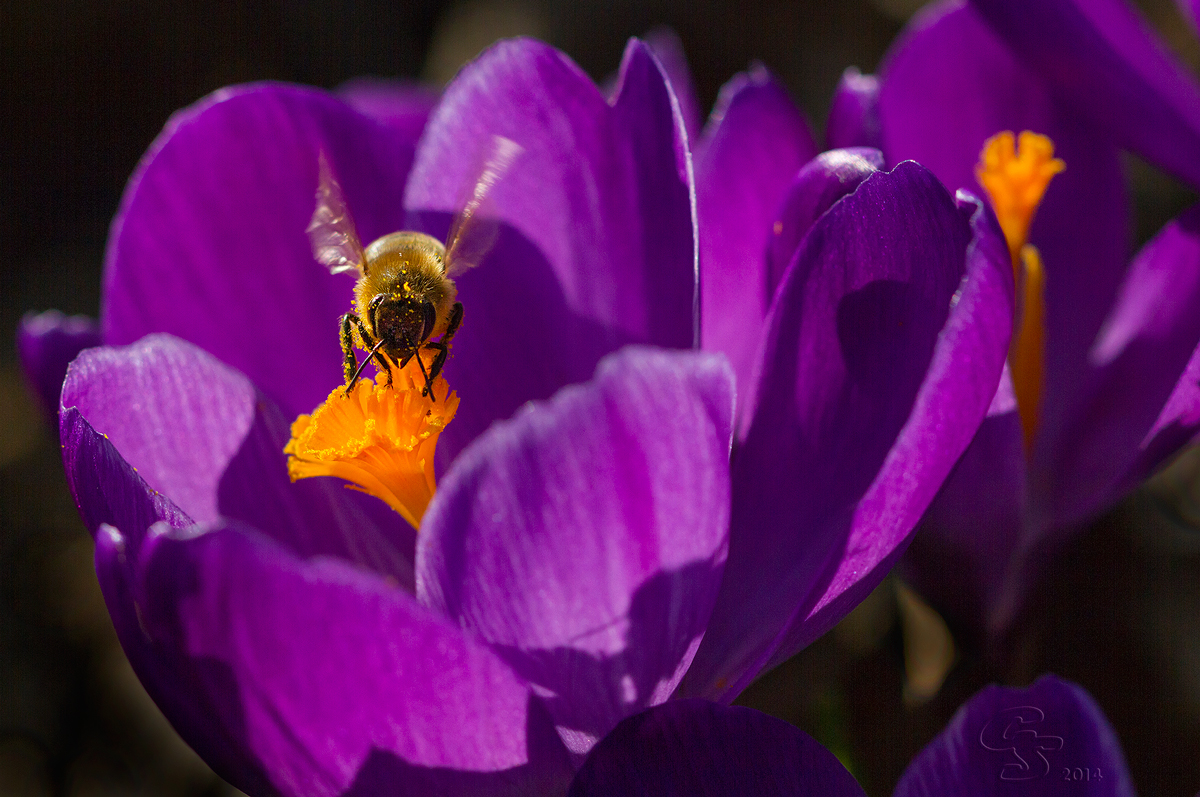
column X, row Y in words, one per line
column 405, row 300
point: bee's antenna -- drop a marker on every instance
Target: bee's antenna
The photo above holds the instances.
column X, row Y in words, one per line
column 363, row 365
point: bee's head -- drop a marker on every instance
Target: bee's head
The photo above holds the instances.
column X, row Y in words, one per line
column 402, row 321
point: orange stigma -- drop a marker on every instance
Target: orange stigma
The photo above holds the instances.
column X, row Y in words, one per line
column 1015, row 173
column 380, row 439
column 1015, row 178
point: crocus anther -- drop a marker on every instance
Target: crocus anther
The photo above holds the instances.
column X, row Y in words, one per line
column 381, row 439
column 1015, row 173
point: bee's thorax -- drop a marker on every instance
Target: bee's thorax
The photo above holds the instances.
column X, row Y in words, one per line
column 406, row 269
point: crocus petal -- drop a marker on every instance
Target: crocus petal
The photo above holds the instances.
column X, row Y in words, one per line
column 1191, row 12
column 873, row 382
column 854, row 112
column 199, row 715
column 1049, row 739
column 952, row 401
column 402, row 104
column 165, row 419
column 597, row 241
column 822, row 181
column 1176, row 426
column 46, row 344
column 106, row 488
column 668, row 49
column 694, row 747
column 318, row 677
column 750, row 151
column 1144, row 346
column 175, row 414
column 210, row 243
column 1106, row 61
column 585, row 538
column 961, row 551
column 934, row 73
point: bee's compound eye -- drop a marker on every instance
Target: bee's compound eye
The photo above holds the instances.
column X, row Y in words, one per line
column 429, row 316
column 373, row 309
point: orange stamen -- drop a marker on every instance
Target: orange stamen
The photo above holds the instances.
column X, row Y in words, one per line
column 380, row 439
column 1015, row 173
column 1027, row 349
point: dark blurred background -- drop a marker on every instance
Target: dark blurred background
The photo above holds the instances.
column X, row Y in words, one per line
column 84, row 89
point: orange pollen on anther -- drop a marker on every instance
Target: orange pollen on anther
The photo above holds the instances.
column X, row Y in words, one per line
column 1015, row 173
column 380, row 439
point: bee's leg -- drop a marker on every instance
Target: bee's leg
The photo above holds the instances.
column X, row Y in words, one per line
column 385, row 365
column 349, row 361
column 370, row 344
column 442, row 347
column 439, row 359
column 456, row 314
column 373, row 346
column 428, row 389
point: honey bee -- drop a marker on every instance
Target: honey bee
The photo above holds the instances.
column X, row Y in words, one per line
column 405, row 301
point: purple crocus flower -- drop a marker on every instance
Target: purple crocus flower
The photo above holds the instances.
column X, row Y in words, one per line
column 1048, row 739
column 1120, row 368
column 303, row 638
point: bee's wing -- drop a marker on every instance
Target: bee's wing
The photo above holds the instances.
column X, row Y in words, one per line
column 334, row 240
column 472, row 233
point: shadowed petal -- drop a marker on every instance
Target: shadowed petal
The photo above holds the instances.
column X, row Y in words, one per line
column 162, row 420
column 1022, row 741
column 885, row 345
column 854, row 112
column 46, row 344
column 220, row 623
column 964, row 545
column 1176, row 426
column 693, row 747
column 106, row 488
column 585, row 538
column 1137, row 359
column 755, row 142
column 822, row 181
column 1105, row 60
column 202, row 717
column 668, row 49
column 952, row 401
column 402, row 104
column 1142, row 405
column 1191, row 12
column 597, row 240
column 210, row 245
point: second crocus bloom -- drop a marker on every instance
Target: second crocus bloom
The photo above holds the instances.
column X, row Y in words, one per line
column 1115, row 392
